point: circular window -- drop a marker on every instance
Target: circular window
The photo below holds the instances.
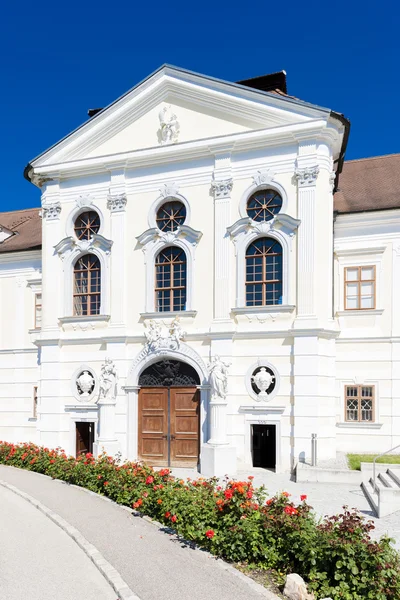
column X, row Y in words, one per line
column 86, row 225
column 171, row 215
column 264, row 205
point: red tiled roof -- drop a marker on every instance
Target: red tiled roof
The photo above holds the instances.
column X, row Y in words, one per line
column 369, row 184
column 26, row 226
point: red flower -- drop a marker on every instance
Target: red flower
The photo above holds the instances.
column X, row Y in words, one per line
column 99, row 476
column 228, row 494
column 173, row 518
column 106, row 483
column 52, row 462
column 136, row 505
column 251, row 477
column 249, row 494
column 286, row 494
column 210, row 534
column 159, row 501
column 269, row 502
column 289, row 510
column 149, row 480
column 303, row 497
column 167, row 515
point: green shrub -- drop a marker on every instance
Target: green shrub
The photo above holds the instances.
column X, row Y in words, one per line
column 235, row 521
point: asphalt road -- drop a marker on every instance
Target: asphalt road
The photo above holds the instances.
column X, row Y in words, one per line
column 39, row 561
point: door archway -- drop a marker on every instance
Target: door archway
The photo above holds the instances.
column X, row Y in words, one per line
column 169, row 414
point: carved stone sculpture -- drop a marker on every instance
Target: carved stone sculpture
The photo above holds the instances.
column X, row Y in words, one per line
column 263, row 380
column 218, row 378
column 85, row 384
column 153, row 334
column 108, row 382
column 176, row 332
column 169, row 126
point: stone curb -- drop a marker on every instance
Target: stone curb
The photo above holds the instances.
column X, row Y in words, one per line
column 108, row 571
column 257, row 587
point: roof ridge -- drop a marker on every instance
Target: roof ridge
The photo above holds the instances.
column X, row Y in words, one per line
column 20, row 210
column 372, row 157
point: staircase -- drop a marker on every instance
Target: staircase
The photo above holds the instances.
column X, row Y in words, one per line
column 384, row 497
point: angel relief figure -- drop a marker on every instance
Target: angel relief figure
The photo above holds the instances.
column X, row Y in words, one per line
column 108, row 382
column 169, row 126
column 153, row 334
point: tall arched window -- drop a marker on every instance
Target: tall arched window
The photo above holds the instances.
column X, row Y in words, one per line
column 170, row 277
column 87, row 284
column 264, row 285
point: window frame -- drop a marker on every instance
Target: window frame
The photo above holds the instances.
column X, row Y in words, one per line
column 264, row 281
column 171, row 288
column 359, row 281
column 36, row 305
column 88, row 294
column 260, row 190
column 35, row 401
column 359, row 397
column 79, row 215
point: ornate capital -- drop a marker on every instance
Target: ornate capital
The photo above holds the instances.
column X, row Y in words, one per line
column 307, row 176
column 169, row 190
column 51, row 211
column 222, row 188
column 116, row 203
column 332, row 180
column 263, row 177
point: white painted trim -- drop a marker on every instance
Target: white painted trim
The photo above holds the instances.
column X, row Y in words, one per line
column 83, row 417
column 266, row 417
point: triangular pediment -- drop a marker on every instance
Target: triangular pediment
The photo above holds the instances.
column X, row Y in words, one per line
column 175, row 107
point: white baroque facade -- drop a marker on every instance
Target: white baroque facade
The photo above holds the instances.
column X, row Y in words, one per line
column 195, row 300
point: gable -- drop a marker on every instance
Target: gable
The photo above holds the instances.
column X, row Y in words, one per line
column 204, row 108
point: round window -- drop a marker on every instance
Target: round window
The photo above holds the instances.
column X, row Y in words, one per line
column 263, row 205
column 86, row 225
column 171, row 215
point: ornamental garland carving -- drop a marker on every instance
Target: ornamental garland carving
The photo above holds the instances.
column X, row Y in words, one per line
column 281, row 222
column 222, row 188
column 263, row 177
column 154, row 235
column 155, row 340
column 51, row 211
column 169, row 190
column 307, row 176
column 116, row 203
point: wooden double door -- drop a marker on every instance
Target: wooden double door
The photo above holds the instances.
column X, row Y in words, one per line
column 169, row 426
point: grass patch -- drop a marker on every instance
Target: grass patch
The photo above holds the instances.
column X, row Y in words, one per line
column 355, row 460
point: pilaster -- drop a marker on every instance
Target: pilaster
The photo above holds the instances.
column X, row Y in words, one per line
column 116, row 203
column 52, row 271
column 222, row 185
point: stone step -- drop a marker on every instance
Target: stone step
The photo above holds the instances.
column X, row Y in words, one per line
column 394, row 477
column 371, row 495
column 384, row 479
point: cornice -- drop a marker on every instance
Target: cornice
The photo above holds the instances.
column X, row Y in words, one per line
column 184, row 151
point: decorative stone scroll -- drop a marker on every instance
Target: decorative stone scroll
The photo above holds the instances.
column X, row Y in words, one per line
column 222, row 188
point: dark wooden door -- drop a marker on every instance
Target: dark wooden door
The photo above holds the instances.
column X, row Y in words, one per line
column 184, row 411
column 169, row 426
column 264, row 446
column 153, row 426
column 84, row 438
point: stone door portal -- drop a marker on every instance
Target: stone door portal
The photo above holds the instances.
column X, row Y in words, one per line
column 169, row 424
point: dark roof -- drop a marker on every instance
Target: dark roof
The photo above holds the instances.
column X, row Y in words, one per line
column 26, row 226
column 267, row 83
column 369, row 184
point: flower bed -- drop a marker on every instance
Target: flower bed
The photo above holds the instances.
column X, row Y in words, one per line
column 237, row 522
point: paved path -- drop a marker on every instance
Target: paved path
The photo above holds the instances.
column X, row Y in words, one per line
column 154, row 564
column 39, row 561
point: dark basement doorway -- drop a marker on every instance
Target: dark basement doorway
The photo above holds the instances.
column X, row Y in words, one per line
column 264, row 446
column 84, row 437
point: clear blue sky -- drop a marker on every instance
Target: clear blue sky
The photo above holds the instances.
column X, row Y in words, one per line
column 58, row 59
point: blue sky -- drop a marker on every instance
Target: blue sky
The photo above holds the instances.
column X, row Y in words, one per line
column 59, row 59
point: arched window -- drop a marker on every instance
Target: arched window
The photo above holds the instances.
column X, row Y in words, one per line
column 87, row 292
column 263, row 205
column 264, row 285
column 171, row 215
column 170, row 279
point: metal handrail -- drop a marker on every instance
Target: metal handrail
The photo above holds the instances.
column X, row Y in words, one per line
column 376, row 458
